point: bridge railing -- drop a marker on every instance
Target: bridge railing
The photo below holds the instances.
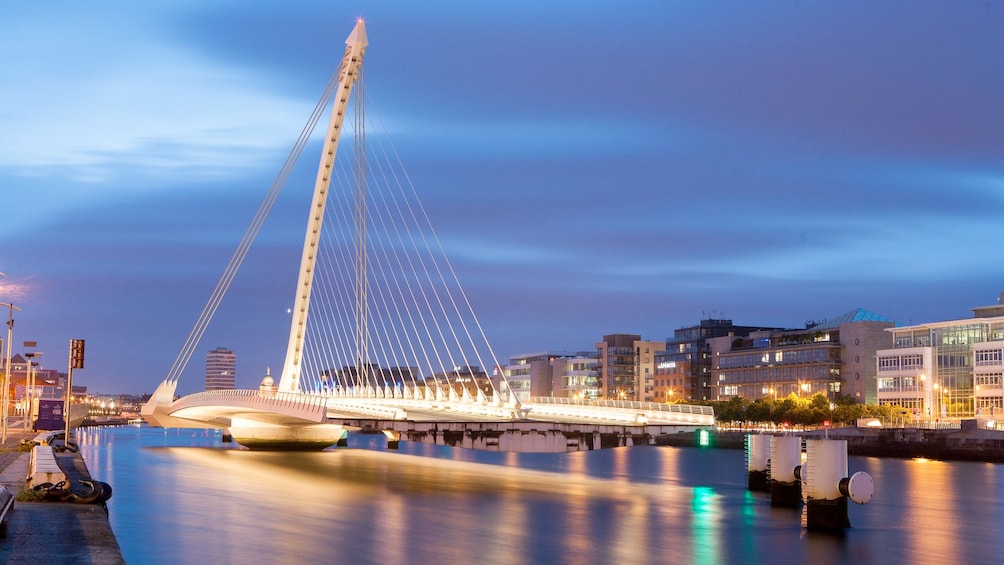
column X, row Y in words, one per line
column 293, row 403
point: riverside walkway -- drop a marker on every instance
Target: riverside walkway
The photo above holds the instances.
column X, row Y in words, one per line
column 52, row 532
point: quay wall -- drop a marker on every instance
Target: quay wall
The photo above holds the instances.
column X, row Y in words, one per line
column 946, row 445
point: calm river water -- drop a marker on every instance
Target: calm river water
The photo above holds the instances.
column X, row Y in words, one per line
column 183, row 496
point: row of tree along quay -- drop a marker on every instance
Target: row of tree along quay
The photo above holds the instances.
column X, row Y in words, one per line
column 900, row 433
column 797, row 412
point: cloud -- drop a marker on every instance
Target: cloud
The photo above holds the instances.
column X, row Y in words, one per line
column 131, row 104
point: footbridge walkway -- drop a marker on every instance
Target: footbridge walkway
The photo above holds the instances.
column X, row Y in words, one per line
column 266, row 419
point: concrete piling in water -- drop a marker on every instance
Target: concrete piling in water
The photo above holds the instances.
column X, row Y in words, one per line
column 785, row 459
column 757, row 462
column 827, row 486
column 393, row 439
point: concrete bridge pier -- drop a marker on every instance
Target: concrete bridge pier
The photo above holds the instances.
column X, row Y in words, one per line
column 519, row 437
column 257, row 435
column 393, row 438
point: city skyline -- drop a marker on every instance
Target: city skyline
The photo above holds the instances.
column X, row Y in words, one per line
column 590, row 171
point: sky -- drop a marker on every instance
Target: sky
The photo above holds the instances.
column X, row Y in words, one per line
column 591, row 167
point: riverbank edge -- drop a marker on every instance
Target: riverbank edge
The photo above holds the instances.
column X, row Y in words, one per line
column 906, row 443
column 54, row 532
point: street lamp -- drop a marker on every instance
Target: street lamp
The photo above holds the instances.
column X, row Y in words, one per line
column 27, row 388
column 6, row 374
column 29, row 385
column 940, row 405
column 925, row 407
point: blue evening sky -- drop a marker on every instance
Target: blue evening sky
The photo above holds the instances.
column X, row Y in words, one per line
column 591, row 167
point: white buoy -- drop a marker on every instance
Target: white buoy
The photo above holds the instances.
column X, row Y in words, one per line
column 785, row 458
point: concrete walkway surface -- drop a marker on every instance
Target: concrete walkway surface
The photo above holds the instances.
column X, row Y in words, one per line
column 53, row 532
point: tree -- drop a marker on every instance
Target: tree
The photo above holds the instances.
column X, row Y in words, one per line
column 847, row 411
column 760, row 410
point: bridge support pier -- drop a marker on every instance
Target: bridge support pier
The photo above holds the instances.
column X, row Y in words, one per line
column 257, row 435
column 515, row 436
column 393, row 438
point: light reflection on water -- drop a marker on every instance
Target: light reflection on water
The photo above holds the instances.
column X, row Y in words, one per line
column 184, row 497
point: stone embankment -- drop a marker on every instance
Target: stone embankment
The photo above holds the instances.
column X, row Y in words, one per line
column 948, row 445
column 53, row 532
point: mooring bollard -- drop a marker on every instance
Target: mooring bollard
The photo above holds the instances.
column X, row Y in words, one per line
column 827, row 486
column 785, row 459
column 757, row 461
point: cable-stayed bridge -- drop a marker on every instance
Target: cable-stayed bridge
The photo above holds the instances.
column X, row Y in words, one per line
column 382, row 335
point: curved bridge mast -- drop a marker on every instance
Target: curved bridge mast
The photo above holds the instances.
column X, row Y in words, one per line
column 351, row 71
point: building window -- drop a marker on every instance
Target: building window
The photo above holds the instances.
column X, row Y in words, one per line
column 992, row 380
column 988, row 357
column 888, row 363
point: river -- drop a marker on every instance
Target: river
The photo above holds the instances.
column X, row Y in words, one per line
column 183, row 496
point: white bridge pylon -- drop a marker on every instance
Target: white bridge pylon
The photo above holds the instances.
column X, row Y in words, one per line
column 381, row 333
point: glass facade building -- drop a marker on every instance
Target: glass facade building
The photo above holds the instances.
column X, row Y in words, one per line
column 946, row 370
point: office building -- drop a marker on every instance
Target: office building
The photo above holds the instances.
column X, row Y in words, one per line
column 529, row 375
column 946, row 370
column 683, row 369
column 576, row 376
column 834, row 357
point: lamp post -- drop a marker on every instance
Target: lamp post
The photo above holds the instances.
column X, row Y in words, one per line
column 6, row 375
column 773, row 405
column 944, row 405
column 939, row 407
column 925, row 406
column 29, row 386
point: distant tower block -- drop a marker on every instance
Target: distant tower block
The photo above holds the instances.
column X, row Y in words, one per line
column 785, row 460
column 221, row 369
column 757, row 461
